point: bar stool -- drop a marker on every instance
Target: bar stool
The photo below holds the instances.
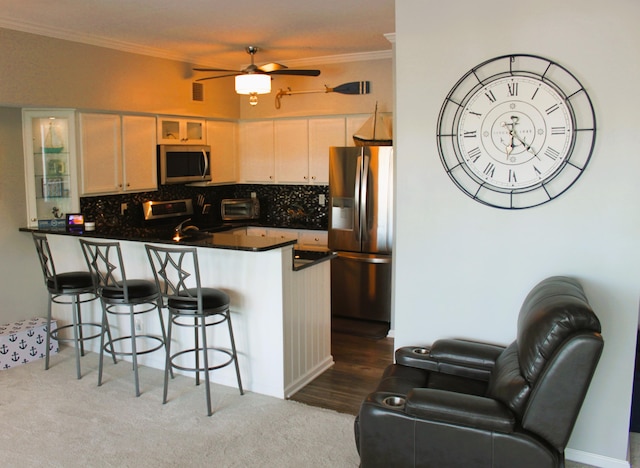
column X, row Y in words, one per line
column 67, row 288
column 121, row 296
column 173, row 268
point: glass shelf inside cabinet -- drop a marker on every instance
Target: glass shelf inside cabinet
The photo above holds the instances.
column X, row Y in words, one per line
column 51, row 166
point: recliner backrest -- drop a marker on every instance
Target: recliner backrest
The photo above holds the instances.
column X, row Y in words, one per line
column 544, row 375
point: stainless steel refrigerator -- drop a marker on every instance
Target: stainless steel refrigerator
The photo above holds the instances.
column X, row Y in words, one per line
column 361, row 231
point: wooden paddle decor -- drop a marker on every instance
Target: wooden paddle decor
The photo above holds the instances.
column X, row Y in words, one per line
column 353, row 87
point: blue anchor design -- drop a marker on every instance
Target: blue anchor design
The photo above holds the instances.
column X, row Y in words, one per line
column 15, row 357
column 23, row 344
column 13, row 337
column 4, row 349
column 31, row 332
column 6, row 366
column 33, row 351
column 39, row 339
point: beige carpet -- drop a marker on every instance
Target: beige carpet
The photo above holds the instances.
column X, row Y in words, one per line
column 49, row 418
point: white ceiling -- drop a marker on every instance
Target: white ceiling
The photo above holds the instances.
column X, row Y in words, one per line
column 214, row 32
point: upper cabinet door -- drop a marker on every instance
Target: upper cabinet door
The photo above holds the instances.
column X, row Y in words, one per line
column 100, row 150
column 323, row 133
column 257, row 151
column 222, row 137
column 292, row 151
column 50, row 164
column 139, row 153
column 176, row 131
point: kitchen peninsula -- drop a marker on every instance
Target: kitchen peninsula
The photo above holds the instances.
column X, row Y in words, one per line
column 280, row 310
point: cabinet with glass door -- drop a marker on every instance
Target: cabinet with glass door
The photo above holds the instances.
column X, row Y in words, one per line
column 50, row 164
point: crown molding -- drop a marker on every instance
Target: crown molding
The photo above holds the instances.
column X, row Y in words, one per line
column 58, row 33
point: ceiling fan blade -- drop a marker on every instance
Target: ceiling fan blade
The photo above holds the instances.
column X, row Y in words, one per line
column 271, row 67
column 219, row 76
column 215, row 70
column 288, row 71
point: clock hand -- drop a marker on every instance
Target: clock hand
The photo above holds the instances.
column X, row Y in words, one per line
column 509, row 147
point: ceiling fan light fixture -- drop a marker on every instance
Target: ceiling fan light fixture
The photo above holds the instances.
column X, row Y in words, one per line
column 253, row 83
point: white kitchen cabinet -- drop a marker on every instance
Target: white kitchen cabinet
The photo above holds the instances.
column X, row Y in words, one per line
column 50, row 164
column 222, row 137
column 257, row 163
column 323, row 133
column 178, row 130
column 139, row 153
column 313, row 240
column 283, row 234
column 118, row 153
column 292, row 151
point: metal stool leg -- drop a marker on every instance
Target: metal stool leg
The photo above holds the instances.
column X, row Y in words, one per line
column 167, row 364
column 76, row 341
column 207, row 384
column 235, row 354
column 134, row 350
column 48, row 340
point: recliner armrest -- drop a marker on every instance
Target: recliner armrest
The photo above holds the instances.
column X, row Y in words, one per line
column 459, row 409
column 458, row 357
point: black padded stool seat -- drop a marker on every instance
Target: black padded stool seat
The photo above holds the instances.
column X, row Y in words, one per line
column 66, row 283
column 212, row 299
column 121, row 296
column 69, row 288
column 192, row 307
column 138, row 289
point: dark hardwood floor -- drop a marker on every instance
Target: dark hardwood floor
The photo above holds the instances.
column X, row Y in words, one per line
column 359, row 362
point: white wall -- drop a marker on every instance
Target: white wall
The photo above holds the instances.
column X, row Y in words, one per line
column 462, row 268
column 22, row 291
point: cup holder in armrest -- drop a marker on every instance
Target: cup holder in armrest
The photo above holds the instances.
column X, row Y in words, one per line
column 421, row 351
column 394, row 401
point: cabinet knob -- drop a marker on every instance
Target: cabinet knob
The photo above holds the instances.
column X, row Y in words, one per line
column 313, row 177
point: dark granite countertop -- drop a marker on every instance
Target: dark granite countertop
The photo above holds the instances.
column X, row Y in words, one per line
column 215, row 240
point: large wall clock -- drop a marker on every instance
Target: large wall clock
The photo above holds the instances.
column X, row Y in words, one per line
column 516, row 131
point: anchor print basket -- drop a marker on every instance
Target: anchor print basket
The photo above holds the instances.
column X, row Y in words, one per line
column 24, row 341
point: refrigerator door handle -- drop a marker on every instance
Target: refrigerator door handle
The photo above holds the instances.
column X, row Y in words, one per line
column 357, row 195
column 365, row 259
column 364, row 225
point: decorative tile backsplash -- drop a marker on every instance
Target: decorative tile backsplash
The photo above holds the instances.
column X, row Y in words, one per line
column 295, row 206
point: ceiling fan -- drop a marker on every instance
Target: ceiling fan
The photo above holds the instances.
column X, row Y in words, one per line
column 266, row 69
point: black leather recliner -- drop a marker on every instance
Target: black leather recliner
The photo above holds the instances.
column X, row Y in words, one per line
column 468, row 404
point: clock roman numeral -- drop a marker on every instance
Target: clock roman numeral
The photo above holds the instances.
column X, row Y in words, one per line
column 551, row 109
column 471, row 134
column 558, row 130
column 474, row 154
column 513, row 89
column 512, row 176
column 490, row 169
column 551, row 153
column 537, row 170
column 475, row 113
column 533, row 96
column 490, row 96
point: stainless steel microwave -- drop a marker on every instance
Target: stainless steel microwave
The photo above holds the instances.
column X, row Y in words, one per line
column 179, row 164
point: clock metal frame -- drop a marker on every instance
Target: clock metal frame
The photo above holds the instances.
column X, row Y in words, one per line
column 574, row 157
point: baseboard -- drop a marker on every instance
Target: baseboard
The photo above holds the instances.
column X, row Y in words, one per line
column 594, row 459
column 298, row 384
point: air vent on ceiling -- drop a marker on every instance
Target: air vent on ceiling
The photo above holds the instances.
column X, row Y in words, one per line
column 198, row 92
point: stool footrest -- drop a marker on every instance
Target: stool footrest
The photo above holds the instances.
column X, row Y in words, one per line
column 109, row 348
column 202, row 369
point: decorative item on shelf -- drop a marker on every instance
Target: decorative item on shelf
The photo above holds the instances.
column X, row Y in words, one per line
column 353, row 87
column 52, row 140
column 374, row 132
